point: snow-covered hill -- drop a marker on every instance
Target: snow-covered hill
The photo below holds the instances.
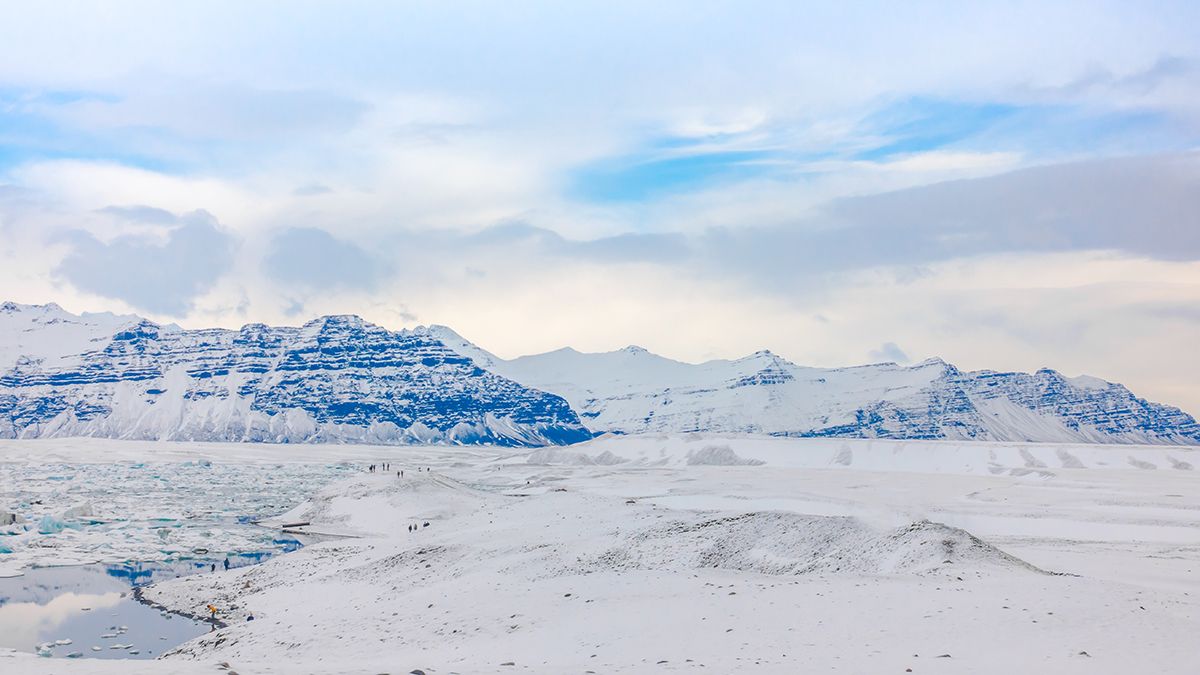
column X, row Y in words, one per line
column 335, row 379
column 341, row 379
column 634, row 391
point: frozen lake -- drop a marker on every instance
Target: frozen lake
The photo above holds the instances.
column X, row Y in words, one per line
column 168, row 512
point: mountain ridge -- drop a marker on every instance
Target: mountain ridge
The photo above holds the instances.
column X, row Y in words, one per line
column 623, row 391
column 340, row 378
column 334, row 379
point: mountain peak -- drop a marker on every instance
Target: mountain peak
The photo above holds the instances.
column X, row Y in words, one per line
column 335, row 321
column 10, row 307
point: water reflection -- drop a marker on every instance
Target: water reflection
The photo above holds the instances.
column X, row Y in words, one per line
column 89, row 611
column 24, row 625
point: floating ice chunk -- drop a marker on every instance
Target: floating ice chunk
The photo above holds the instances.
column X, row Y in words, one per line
column 96, row 649
column 64, row 641
column 50, row 525
column 83, row 510
column 74, row 655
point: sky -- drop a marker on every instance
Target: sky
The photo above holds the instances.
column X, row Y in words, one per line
column 1007, row 186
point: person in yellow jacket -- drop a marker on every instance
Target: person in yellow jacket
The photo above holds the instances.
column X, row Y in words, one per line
column 212, row 610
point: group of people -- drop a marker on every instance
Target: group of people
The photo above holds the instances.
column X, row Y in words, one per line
column 385, row 466
column 414, row 527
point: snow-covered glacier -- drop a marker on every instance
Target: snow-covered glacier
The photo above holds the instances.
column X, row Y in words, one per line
column 342, row 379
column 335, row 379
column 634, row 391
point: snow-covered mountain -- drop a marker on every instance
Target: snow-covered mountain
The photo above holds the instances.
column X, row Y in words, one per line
column 335, row 379
column 341, row 379
column 634, row 391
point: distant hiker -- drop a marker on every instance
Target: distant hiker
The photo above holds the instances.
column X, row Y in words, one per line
column 212, row 567
column 227, row 564
column 213, row 612
column 402, row 473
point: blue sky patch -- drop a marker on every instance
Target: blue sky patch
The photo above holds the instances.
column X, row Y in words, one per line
column 642, row 177
column 922, row 124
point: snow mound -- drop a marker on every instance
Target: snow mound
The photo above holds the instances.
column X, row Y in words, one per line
column 782, row 543
column 556, row 455
column 719, row 455
column 372, row 505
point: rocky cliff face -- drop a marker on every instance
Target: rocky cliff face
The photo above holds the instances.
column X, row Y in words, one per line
column 1043, row 406
column 335, row 379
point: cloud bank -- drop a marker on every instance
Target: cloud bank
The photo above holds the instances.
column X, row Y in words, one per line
column 969, row 181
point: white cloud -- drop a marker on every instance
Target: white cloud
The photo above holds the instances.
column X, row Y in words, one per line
column 450, row 160
column 961, row 164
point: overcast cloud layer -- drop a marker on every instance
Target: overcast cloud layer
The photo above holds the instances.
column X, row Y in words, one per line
column 1007, row 186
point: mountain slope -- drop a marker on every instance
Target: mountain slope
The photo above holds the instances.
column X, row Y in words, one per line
column 633, row 391
column 336, row 379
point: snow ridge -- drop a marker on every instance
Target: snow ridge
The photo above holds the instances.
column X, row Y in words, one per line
column 634, row 392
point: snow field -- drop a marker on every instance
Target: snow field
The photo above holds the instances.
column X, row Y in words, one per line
column 802, row 563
